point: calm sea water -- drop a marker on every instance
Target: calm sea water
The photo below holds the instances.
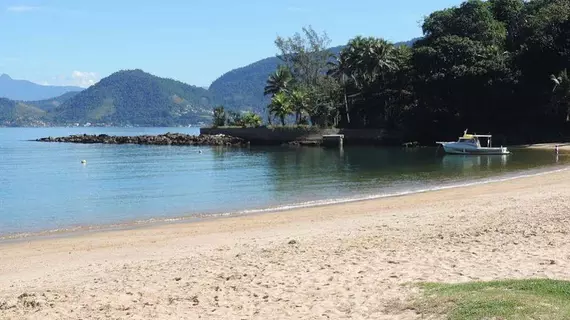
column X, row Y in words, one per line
column 44, row 186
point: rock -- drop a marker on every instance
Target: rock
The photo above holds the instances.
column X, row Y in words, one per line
column 293, row 242
column 176, row 139
column 177, row 279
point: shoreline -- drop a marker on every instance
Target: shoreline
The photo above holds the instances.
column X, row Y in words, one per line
column 80, row 230
column 562, row 146
column 356, row 259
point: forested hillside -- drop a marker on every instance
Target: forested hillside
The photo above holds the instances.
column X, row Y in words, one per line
column 133, row 97
column 495, row 66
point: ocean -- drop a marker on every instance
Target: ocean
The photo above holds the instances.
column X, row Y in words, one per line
column 45, row 187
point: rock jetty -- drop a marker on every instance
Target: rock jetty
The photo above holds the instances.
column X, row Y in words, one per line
column 175, row 139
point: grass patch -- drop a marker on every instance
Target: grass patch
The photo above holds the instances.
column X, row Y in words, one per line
column 512, row 299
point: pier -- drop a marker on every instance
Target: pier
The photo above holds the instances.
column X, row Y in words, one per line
column 333, row 140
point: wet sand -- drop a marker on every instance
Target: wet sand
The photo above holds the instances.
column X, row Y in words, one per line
column 354, row 260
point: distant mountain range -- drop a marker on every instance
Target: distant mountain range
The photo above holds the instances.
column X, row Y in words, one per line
column 133, row 97
column 26, row 90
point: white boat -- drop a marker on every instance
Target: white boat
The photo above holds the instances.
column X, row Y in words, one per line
column 470, row 144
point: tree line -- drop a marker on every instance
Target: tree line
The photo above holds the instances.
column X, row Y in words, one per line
column 491, row 66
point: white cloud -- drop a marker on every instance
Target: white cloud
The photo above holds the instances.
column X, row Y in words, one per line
column 22, row 8
column 84, row 79
column 76, row 78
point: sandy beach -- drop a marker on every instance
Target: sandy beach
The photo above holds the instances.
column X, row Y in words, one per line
column 562, row 146
column 346, row 261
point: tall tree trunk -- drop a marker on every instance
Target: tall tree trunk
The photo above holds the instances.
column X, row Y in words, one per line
column 282, row 120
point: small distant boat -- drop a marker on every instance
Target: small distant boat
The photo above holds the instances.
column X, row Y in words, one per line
column 470, row 144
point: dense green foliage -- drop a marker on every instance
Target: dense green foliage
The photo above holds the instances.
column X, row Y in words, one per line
column 134, row 97
column 246, row 119
column 491, row 66
column 220, row 118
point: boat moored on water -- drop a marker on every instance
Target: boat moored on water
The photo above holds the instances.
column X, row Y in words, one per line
column 470, row 144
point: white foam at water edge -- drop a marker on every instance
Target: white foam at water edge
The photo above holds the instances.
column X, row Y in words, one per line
column 317, row 203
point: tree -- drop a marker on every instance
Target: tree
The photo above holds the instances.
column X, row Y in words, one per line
column 369, row 60
column 299, row 101
column 493, row 66
column 561, row 97
column 306, row 55
column 220, row 117
column 250, row 119
column 280, row 80
column 235, row 119
column 280, row 106
column 362, row 69
column 341, row 70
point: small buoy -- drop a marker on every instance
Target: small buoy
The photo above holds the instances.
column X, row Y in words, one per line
column 84, row 161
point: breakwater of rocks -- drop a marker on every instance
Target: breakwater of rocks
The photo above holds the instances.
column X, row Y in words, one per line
column 177, row 139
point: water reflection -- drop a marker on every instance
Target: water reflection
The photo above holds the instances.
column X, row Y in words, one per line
column 470, row 162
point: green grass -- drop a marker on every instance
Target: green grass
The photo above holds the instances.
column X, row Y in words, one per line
column 513, row 299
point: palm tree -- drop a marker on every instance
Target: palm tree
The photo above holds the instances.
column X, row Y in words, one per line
column 561, row 92
column 341, row 69
column 219, row 119
column 279, row 81
column 280, row 106
column 362, row 68
column 298, row 98
column 369, row 59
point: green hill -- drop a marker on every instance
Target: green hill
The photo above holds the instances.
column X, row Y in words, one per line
column 16, row 114
column 134, row 97
column 50, row 104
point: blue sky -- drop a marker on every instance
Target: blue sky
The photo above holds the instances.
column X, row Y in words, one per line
column 77, row 42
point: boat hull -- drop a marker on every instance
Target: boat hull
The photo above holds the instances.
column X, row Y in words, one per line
column 453, row 148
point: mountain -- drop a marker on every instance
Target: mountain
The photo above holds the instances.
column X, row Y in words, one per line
column 15, row 114
column 26, row 90
column 134, row 97
column 52, row 103
column 242, row 89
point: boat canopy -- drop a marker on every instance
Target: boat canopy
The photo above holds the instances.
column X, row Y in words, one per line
column 470, row 136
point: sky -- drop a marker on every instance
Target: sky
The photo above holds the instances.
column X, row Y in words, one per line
column 78, row 42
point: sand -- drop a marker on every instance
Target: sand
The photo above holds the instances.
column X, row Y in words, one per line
column 347, row 261
column 562, row 146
